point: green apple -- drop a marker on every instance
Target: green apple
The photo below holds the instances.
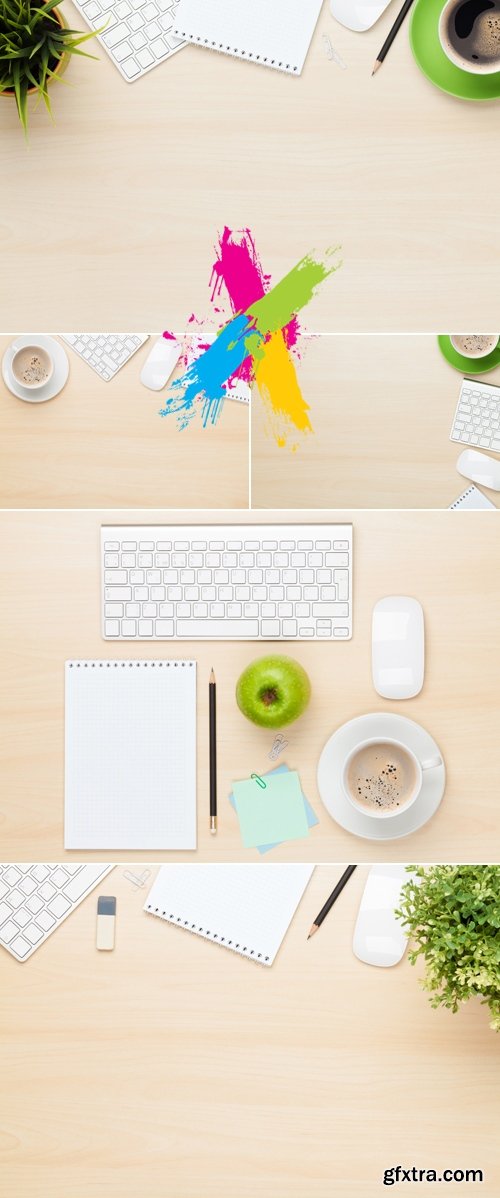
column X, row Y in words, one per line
column 273, row 691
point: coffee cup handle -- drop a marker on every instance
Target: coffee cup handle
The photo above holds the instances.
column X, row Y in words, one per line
column 432, row 763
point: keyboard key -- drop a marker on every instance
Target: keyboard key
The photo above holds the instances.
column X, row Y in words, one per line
column 22, row 917
column 330, row 609
column 131, row 68
column 113, row 609
column 59, row 906
column 115, row 35
column 12, row 876
column 59, row 877
column 79, row 884
column 46, row 892
column 28, row 885
column 20, row 946
column 115, row 577
column 218, row 629
column 45, row 921
column 270, row 628
column 164, row 628
column 7, row 931
column 33, row 933
column 118, row 593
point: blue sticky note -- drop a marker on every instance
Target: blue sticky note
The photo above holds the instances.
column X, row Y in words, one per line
column 310, row 814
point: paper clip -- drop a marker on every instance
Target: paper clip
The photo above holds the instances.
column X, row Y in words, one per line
column 137, row 881
column 260, row 781
column 279, row 744
column 331, row 52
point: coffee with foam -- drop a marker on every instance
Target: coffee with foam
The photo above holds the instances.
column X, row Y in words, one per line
column 469, row 32
column 475, row 345
column 31, row 366
column 381, row 778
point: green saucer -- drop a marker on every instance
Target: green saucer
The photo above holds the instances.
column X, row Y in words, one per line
column 468, row 365
column 432, row 60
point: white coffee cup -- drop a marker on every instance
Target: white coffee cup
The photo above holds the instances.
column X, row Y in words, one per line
column 463, row 55
column 30, row 361
column 457, row 341
column 419, row 767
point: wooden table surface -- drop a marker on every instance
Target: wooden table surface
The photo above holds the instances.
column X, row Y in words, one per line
column 114, row 212
column 172, row 1067
column 104, row 443
column 449, row 560
column 381, row 411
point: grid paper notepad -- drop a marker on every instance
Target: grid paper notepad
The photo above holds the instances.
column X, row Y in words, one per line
column 130, row 755
column 245, row 908
column 272, row 33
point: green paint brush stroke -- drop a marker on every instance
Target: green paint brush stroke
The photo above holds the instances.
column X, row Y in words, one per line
column 277, row 308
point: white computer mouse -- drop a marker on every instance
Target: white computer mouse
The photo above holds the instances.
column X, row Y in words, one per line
column 398, row 647
column 358, row 15
column 379, row 938
column 480, row 468
column 160, row 362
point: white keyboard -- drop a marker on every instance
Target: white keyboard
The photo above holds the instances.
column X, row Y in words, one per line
column 35, row 899
column 232, row 582
column 106, row 353
column 477, row 418
column 138, row 34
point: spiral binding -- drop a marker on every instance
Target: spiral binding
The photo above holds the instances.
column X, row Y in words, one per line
column 459, row 501
column 215, row 937
column 261, row 58
column 116, row 665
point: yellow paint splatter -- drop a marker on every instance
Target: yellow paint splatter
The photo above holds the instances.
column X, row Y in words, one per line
column 276, row 379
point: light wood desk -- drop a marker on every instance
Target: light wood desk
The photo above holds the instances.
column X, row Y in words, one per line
column 449, row 560
column 138, row 179
column 381, row 410
column 172, row 1067
column 104, row 443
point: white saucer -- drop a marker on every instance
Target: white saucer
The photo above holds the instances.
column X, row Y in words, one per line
column 57, row 379
column 382, row 724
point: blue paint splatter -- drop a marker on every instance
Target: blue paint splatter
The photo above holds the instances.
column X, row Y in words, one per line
column 205, row 380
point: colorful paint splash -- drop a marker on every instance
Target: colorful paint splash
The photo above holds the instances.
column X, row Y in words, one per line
column 257, row 344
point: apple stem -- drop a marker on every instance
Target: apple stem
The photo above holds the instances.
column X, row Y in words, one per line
column 269, row 696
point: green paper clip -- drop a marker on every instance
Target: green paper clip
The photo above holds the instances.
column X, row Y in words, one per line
column 260, row 781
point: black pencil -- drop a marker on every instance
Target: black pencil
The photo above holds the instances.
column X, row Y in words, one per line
column 331, row 900
column 212, row 695
column 391, row 35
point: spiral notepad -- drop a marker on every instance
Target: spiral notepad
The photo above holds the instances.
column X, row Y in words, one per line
column 272, row 33
column 245, row 908
column 130, row 768
column 472, row 498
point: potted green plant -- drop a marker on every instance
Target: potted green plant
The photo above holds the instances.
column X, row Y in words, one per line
column 452, row 917
column 35, row 47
